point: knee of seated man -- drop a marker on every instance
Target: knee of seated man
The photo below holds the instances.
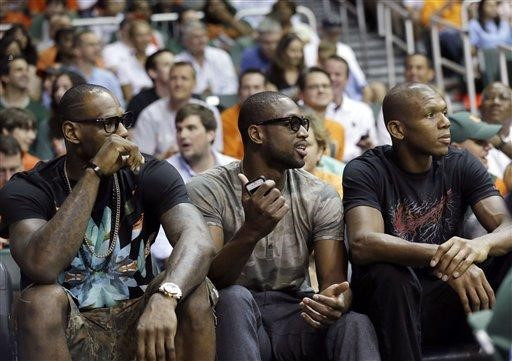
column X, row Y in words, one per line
column 235, row 293
column 352, row 321
column 196, row 308
column 394, row 277
column 42, row 303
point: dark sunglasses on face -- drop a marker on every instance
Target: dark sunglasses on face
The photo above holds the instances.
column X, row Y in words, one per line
column 294, row 122
column 110, row 124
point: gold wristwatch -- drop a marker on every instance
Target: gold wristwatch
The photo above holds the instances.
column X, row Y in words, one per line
column 170, row 289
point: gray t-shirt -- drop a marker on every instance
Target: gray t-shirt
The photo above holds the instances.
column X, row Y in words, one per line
column 280, row 260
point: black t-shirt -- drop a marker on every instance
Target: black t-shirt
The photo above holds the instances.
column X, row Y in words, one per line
column 140, row 101
column 101, row 282
column 423, row 208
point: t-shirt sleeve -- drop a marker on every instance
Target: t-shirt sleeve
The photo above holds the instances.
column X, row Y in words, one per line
column 203, row 195
column 476, row 180
column 162, row 187
column 328, row 217
column 19, row 200
column 360, row 185
column 143, row 133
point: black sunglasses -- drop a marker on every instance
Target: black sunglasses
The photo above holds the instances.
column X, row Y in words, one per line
column 294, row 122
column 110, row 124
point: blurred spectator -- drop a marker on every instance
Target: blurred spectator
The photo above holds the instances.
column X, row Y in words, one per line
column 40, row 28
column 21, row 125
column 214, row 68
column 14, row 12
column 195, row 134
column 56, row 22
column 316, row 93
column 102, row 8
column 131, row 72
column 61, row 52
column 287, row 64
column 318, row 139
column 38, row 6
column 489, row 30
column 355, row 116
column 158, row 66
column 251, row 81
column 470, row 133
column 87, row 49
column 219, row 17
column 331, row 32
column 63, row 81
column 259, row 56
column 155, row 132
column 21, row 34
column 14, row 74
column 496, row 108
column 450, row 40
column 121, row 50
column 10, row 158
column 11, row 46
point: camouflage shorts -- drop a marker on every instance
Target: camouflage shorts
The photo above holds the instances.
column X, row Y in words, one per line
column 110, row 333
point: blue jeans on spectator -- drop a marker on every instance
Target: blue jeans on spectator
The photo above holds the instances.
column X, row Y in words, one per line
column 254, row 326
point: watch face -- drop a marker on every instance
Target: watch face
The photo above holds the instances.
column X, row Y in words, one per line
column 171, row 288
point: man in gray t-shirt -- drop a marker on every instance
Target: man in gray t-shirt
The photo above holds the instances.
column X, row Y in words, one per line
column 267, row 308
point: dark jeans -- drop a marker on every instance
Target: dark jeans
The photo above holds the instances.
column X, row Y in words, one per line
column 268, row 326
column 410, row 308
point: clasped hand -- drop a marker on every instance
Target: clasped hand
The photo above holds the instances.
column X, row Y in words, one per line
column 456, row 255
column 326, row 307
column 118, row 152
column 473, row 290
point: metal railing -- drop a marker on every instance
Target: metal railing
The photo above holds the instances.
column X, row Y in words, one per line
column 358, row 10
column 385, row 9
column 502, row 51
column 466, row 69
column 302, row 10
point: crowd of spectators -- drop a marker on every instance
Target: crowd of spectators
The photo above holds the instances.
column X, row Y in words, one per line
column 185, row 85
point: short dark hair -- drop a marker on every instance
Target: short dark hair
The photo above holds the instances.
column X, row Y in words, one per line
column 301, row 82
column 150, row 63
column 5, row 63
column 206, row 115
column 249, row 72
column 409, row 56
column 256, row 108
column 341, row 60
column 9, row 145
column 12, row 118
column 398, row 102
column 61, row 33
column 72, row 102
column 183, row 63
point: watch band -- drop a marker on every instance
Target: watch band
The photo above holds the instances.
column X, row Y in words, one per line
column 95, row 168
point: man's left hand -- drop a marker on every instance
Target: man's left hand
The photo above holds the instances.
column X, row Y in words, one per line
column 156, row 329
column 328, row 306
column 454, row 256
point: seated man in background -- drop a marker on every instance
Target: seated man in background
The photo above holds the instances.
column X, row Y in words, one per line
column 250, row 82
column 80, row 228
column 264, row 237
column 261, row 54
column 21, row 125
column 413, row 274
column 155, row 132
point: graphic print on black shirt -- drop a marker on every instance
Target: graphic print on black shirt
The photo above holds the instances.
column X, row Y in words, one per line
column 424, row 208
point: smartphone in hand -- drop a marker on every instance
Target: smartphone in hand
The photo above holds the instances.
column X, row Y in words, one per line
column 253, row 185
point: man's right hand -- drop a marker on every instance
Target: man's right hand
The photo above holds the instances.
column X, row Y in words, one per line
column 116, row 153
column 474, row 290
column 263, row 209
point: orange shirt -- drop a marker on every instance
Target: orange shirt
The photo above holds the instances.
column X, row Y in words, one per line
column 450, row 14
column 332, row 179
column 46, row 58
column 29, row 161
column 501, row 186
column 336, row 144
column 232, row 139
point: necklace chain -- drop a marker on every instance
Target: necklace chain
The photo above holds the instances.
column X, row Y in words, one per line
column 113, row 235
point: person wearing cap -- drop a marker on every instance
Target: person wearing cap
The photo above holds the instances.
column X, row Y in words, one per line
column 470, row 133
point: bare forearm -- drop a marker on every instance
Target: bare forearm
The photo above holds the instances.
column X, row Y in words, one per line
column 52, row 248
column 499, row 241
column 381, row 247
column 232, row 258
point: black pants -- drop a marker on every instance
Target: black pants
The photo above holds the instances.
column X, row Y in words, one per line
column 410, row 308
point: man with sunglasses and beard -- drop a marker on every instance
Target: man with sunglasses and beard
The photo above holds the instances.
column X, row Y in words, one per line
column 81, row 227
column 264, row 237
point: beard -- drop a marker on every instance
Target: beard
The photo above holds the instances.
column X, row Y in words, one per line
column 284, row 159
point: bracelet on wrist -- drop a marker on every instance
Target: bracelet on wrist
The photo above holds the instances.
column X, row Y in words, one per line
column 95, row 168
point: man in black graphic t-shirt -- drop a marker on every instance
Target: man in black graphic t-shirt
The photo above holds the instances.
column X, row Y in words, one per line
column 404, row 208
column 81, row 227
